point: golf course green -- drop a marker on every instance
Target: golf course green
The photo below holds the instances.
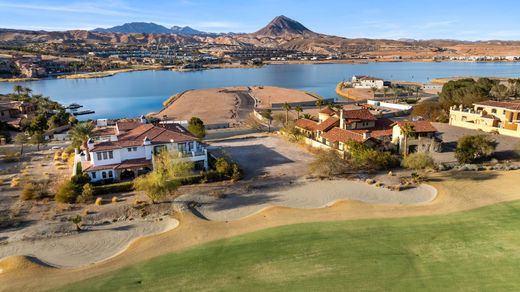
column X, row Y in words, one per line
column 473, row 250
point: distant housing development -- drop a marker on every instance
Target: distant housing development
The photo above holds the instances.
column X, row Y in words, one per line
column 127, row 150
column 489, row 116
column 334, row 129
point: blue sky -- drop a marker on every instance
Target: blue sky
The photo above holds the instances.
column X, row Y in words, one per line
column 455, row 19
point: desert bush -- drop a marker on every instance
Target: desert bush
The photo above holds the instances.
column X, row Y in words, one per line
column 64, row 156
column 57, row 155
column 114, row 200
column 418, row 161
column 15, row 182
column 227, row 169
column 360, row 157
column 156, row 185
column 10, row 155
column 66, row 192
column 328, row 163
column 87, row 194
column 99, row 201
column 473, row 148
column 35, row 190
column 291, row 133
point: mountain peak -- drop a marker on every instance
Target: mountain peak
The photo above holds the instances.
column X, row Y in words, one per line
column 136, row 27
column 283, row 25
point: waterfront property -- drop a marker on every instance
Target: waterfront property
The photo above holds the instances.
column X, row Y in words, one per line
column 488, row 116
column 368, row 82
column 12, row 112
column 127, row 149
column 334, row 129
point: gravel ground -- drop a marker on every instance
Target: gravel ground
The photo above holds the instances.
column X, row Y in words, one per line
column 304, row 194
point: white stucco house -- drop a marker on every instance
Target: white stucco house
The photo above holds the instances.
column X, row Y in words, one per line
column 367, row 82
column 127, row 150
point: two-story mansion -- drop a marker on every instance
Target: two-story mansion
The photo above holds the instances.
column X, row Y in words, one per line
column 127, row 150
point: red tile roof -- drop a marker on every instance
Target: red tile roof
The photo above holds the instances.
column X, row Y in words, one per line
column 418, row 126
column 328, row 111
column 306, row 124
column 157, row 134
column 127, row 126
column 382, row 128
column 328, row 123
column 501, row 104
column 358, row 115
column 342, row 135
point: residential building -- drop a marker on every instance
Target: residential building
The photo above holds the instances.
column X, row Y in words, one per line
column 334, row 129
column 130, row 149
column 12, row 112
column 58, row 134
column 362, row 81
column 489, row 116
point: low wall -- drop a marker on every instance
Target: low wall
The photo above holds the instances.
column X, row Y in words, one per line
column 485, row 128
column 389, row 105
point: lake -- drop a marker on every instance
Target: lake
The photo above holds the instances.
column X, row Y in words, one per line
column 135, row 93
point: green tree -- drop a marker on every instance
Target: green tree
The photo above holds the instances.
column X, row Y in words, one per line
column 465, row 92
column 21, row 139
column 38, row 139
column 473, row 148
column 196, row 127
column 430, row 110
column 80, row 134
column 38, row 124
column 18, row 89
column 286, row 107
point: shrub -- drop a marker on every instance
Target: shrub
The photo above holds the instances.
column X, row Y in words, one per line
column 114, row 200
column 156, row 185
column 57, row 155
column 328, row 163
column 87, row 194
column 64, row 156
column 473, row 148
column 361, row 156
column 113, row 188
column 418, row 161
column 15, row 182
column 196, row 127
column 99, row 201
column 35, row 191
column 227, row 169
column 66, row 193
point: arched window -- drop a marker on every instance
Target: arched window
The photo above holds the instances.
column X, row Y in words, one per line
column 104, row 174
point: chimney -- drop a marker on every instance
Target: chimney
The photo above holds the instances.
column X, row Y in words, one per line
column 341, row 121
column 143, row 119
column 147, row 141
column 90, row 143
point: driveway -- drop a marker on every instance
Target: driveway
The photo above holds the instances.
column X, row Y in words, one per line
column 451, row 134
column 264, row 155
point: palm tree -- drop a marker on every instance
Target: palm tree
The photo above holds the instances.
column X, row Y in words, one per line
column 286, row 107
column 385, row 91
column 374, row 90
column 319, row 103
column 408, row 131
column 298, row 109
column 268, row 114
column 307, row 116
column 80, row 134
column 27, row 91
column 18, row 89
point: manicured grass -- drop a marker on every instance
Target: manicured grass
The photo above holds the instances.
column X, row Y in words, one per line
column 475, row 250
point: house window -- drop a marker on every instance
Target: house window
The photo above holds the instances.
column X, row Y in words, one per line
column 494, row 111
column 104, row 175
column 93, row 174
column 98, row 155
column 110, row 174
column 105, row 155
column 134, row 149
column 129, row 149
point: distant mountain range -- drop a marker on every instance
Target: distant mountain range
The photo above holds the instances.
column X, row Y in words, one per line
column 145, row 27
column 281, row 33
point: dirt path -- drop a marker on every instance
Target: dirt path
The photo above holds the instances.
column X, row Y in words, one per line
column 456, row 192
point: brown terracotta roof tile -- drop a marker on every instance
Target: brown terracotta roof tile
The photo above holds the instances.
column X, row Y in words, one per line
column 328, row 123
column 306, row 124
column 358, row 115
column 342, row 135
column 501, row 104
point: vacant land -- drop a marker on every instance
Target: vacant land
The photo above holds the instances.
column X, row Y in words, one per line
column 230, row 105
column 474, row 250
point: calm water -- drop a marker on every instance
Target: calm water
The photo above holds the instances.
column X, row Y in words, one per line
column 135, row 93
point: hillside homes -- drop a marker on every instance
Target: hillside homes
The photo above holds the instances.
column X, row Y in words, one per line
column 334, row 129
column 127, row 150
column 489, row 116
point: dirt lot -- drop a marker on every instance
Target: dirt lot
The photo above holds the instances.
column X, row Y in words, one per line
column 267, row 95
column 451, row 134
column 265, row 155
